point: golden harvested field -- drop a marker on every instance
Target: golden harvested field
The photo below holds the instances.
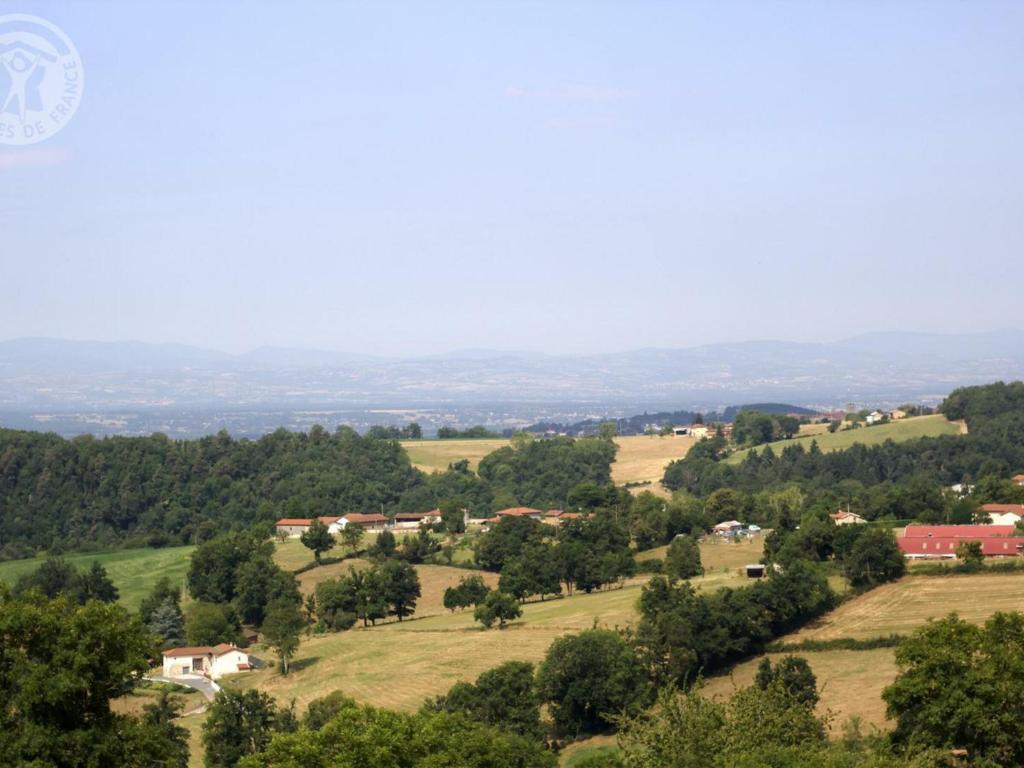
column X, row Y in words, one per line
column 400, row 664
column 851, row 682
column 640, row 458
column 905, row 429
column 901, row 606
column 436, row 455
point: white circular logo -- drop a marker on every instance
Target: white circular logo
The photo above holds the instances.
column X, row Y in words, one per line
column 41, row 79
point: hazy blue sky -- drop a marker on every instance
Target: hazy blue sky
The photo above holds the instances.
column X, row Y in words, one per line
column 401, row 178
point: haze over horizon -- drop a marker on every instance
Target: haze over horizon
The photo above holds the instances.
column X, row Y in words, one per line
column 599, row 178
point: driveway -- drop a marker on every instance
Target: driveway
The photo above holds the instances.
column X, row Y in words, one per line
column 198, row 682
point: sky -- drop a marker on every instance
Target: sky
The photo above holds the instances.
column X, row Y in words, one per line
column 414, row 178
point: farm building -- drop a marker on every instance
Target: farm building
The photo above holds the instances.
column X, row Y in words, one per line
column 373, row 522
column 728, row 528
column 557, row 516
column 1004, row 514
column 296, row 526
column 874, row 417
column 536, row 514
column 698, row 431
column 208, row 661
column 945, row 546
column 416, row 519
column 970, row 532
column 844, row 517
column 935, row 541
column 897, row 414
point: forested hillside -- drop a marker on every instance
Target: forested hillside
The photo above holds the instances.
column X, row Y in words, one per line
column 992, row 451
column 89, row 493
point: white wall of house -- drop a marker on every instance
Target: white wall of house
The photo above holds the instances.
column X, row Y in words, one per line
column 1003, row 518
column 227, row 663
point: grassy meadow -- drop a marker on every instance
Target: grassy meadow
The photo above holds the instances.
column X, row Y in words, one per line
column 852, row 681
column 133, row 571
column 904, row 429
column 400, row 664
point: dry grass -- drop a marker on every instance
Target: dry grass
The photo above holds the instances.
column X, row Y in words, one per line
column 901, row 606
column 644, row 457
column 851, row 683
column 436, row 455
column 641, row 458
column 399, row 664
column 719, row 555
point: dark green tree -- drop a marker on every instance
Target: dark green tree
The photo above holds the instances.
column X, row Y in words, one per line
column 589, row 679
column 497, row 607
column 794, row 674
column 317, row 538
column 281, row 630
column 210, row 624
column 162, row 591
column 168, row 623
column 400, row 587
column 238, row 724
column 505, row 697
column 682, row 561
column 874, row 558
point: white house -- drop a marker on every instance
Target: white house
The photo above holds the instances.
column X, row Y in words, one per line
column 1003, row 514
column 874, row 417
column 212, row 662
column 842, row 517
column 728, row 528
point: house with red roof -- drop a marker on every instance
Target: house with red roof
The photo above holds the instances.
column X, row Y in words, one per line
column 296, row 526
column 1004, row 514
column 535, row 514
column 372, row 522
column 941, row 541
column 1019, row 478
column 208, row 661
column 844, row 517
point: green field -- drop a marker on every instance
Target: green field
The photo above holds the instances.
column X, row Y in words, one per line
column 905, row 429
column 133, row 571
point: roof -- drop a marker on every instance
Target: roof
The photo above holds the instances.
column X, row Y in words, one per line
column 959, row 532
column 842, row 514
column 203, row 650
column 729, row 524
column 946, row 545
column 294, row 521
column 1017, row 509
column 357, row 517
column 1019, row 476
column 417, row 515
column 519, row 512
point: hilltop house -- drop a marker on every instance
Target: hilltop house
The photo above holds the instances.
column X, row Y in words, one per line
column 296, row 526
column 897, row 414
column 844, row 517
column 874, row 417
column 208, row 661
column 1019, row 479
column 1003, row 514
column 699, row 431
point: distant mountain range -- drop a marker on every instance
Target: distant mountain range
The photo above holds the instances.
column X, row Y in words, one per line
column 55, row 375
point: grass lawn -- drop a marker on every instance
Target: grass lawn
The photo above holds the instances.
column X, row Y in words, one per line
column 133, row 571
column 640, row 458
column 905, row 429
column 719, row 555
column 853, row 680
